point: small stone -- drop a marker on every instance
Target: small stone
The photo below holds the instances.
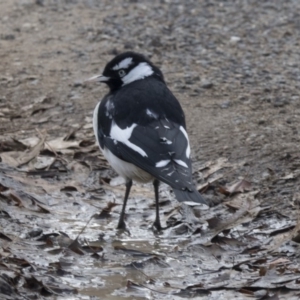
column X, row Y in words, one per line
column 189, row 81
column 207, row 84
column 8, row 37
column 225, row 104
column 278, row 102
column 266, row 54
column 113, row 51
column 243, row 98
column 155, row 42
column 77, row 83
column 34, row 233
column 234, row 39
column 129, row 45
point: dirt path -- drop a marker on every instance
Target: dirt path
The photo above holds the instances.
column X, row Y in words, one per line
column 234, row 65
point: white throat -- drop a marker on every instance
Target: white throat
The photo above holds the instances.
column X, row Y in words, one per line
column 141, row 71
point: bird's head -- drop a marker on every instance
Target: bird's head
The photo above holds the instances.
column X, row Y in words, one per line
column 126, row 68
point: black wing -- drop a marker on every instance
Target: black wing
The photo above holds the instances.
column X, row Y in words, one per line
column 165, row 152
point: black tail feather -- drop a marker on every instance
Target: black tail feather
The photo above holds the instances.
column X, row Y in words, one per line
column 186, row 195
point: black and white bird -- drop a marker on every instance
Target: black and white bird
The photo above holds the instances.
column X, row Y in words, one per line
column 140, row 128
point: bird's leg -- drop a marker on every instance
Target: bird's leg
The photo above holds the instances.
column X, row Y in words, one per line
column 156, row 223
column 121, row 224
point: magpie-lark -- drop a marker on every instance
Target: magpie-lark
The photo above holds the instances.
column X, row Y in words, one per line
column 140, row 128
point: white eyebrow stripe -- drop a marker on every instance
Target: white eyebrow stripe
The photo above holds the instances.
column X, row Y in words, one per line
column 124, row 64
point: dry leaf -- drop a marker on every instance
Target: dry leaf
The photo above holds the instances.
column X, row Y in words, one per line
column 8, row 158
column 72, row 132
column 11, row 145
column 3, row 188
column 47, row 186
column 43, row 209
column 202, row 187
column 107, row 210
column 279, row 261
column 292, row 175
column 5, row 237
column 213, row 222
column 76, row 247
column 30, row 142
column 35, row 151
column 43, row 162
column 281, row 239
column 60, row 144
column 41, row 120
column 214, row 166
column 41, row 107
column 17, row 199
column 238, row 187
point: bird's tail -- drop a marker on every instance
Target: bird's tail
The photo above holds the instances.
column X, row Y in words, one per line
column 193, row 196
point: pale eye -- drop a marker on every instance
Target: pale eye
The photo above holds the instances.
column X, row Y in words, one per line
column 122, row 73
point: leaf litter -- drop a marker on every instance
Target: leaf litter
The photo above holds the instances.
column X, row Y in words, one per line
column 20, row 193
column 220, row 240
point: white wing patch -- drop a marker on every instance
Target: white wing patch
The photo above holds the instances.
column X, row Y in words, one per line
column 181, row 163
column 162, row 163
column 141, row 71
column 164, row 140
column 123, row 136
column 188, row 148
column 124, row 64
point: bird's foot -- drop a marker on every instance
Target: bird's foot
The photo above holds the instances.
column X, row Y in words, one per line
column 122, row 228
column 157, row 226
column 122, row 225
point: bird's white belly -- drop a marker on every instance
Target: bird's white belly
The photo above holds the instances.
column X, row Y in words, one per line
column 125, row 169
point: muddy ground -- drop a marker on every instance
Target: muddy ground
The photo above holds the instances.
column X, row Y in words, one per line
column 234, row 66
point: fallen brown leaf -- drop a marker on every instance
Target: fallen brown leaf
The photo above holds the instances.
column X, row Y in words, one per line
column 279, row 261
column 212, row 167
column 76, row 247
column 238, row 187
column 16, row 199
column 34, row 152
column 12, row 145
column 5, row 237
column 3, row 188
column 213, row 222
column 61, row 144
column 279, row 240
column 8, row 158
column 106, row 210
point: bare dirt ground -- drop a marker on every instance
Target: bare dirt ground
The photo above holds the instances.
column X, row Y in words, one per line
column 234, row 66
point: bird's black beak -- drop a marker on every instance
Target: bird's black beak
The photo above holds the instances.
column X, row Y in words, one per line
column 97, row 78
